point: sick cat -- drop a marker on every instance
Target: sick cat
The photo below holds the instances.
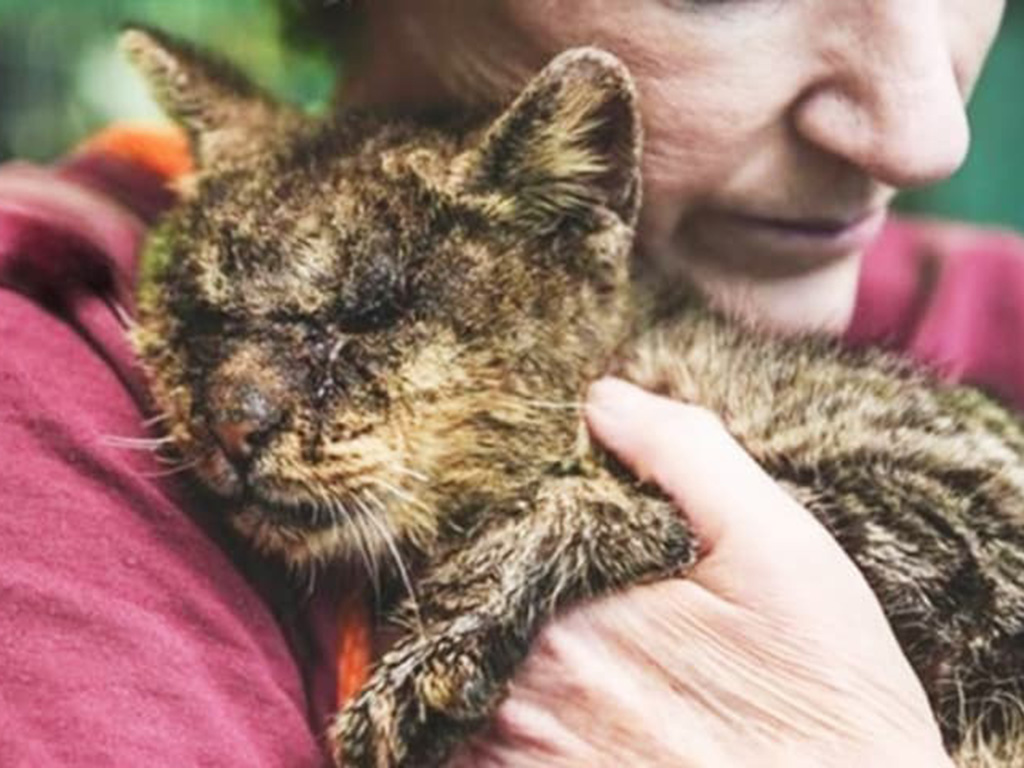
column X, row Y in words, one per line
column 363, row 332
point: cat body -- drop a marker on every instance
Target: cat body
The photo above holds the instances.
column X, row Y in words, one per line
column 372, row 338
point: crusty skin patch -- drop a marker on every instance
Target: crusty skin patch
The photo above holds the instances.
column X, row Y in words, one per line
column 400, row 319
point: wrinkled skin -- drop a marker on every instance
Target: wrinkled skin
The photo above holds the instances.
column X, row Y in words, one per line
column 771, row 125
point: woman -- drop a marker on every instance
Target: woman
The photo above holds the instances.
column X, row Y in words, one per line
column 777, row 133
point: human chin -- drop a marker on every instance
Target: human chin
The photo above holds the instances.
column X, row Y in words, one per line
column 770, row 273
column 820, row 301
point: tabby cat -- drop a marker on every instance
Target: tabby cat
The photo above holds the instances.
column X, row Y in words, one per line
column 361, row 331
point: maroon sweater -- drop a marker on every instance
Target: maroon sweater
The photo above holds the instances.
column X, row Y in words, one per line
column 129, row 634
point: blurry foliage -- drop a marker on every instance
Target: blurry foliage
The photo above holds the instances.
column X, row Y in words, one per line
column 61, row 77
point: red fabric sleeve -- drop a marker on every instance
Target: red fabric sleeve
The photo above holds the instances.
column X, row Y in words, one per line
column 950, row 297
column 128, row 636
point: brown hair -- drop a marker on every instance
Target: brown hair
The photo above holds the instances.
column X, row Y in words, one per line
column 417, row 53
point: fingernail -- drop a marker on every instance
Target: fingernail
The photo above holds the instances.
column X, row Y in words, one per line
column 612, row 409
column 611, row 398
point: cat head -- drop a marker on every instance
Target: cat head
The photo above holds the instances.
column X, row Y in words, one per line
column 357, row 327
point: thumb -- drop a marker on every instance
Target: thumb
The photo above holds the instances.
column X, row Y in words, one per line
column 729, row 499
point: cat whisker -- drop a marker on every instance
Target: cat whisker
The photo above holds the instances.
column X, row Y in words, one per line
column 555, row 405
column 399, row 493
column 403, row 470
column 171, row 461
column 160, row 451
column 366, row 552
column 135, row 443
column 389, row 540
column 319, row 507
column 156, row 419
column 176, row 470
column 536, row 409
column 310, row 576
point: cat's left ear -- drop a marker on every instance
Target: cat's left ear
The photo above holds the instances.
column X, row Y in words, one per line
column 570, row 143
column 223, row 111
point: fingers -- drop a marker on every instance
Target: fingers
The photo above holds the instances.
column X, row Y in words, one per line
column 688, row 453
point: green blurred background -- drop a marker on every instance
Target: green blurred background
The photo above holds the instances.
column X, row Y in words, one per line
column 61, row 77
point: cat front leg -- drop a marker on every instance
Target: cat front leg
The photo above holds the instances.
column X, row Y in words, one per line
column 480, row 607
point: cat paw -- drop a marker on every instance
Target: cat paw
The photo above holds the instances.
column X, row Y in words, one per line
column 423, row 699
column 365, row 733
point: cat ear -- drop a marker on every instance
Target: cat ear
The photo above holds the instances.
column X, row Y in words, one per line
column 222, row 111
column 569, row 143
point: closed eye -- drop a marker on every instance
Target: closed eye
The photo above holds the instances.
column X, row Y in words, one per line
column 375, row 317
column 374, row 299
column 204, row 319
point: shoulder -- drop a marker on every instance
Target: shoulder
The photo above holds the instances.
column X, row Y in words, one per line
column 125, row 623
column 951, row 297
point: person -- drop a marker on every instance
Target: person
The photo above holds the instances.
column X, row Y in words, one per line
column 776, row 136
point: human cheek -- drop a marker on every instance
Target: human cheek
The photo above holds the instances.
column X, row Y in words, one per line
column 706, row 128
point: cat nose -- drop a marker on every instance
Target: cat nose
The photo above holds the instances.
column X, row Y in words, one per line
column 242, row 430
column 237, row 439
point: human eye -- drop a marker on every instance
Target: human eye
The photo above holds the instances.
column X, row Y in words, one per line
column 697, row 5
column 716, row 9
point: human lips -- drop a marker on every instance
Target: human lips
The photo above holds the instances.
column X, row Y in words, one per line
column 780, row 243
column 841, row 231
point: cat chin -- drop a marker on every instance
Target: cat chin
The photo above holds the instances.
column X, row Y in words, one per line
column 300, row 535
column 283, row 533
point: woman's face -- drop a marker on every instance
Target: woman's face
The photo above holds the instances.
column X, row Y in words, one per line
column 777, row 131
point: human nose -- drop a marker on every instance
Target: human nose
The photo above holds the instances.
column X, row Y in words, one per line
column 888, row 99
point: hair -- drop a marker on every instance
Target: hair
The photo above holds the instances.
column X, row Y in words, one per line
column 377, row 44
column 319, row 24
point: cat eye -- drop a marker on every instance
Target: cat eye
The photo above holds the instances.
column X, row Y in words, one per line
column 372, row 318
column 373, row 299
column 204, row 319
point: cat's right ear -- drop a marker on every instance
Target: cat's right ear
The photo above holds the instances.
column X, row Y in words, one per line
column 221, row 110
column 567, row 146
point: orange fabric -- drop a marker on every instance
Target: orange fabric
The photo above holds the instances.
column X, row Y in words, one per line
column 161, row 149
column 355, row 645
column 165, row 151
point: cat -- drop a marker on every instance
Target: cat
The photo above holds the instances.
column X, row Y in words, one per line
column 368, row 336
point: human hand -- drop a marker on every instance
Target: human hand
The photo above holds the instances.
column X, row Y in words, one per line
column 772, row 652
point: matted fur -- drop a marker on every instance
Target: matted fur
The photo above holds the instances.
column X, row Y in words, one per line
column 399, row 319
